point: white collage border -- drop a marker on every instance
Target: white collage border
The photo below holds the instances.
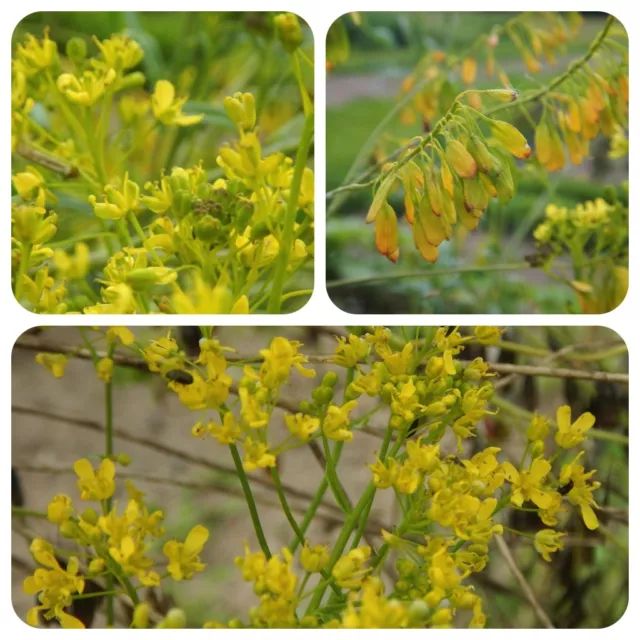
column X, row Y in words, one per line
column 319, row 310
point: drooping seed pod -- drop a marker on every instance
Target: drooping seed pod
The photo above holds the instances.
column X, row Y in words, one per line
column 510, row 138
column 460, row 159
column 387, row 232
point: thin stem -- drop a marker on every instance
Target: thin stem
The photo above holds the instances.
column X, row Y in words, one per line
column 292, row 521
column 431, row 273
column 286, row 239
column 253, row 510
column 352, row 521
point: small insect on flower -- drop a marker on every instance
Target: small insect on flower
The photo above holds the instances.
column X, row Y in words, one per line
column 179, row 376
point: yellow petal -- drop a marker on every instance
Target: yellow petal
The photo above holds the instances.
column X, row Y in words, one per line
column 83, row 469
column 589, row 517
column 563, row 418
column 196, row 539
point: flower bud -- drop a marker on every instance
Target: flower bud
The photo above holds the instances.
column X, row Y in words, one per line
column 537, row 449
column 259, row 230
column 537, row 428
column 144, row 278
column 460, row 159
column 90, row 515
column 330, row 379
column 141, row 616
column 76, row 50
column 207, row 228
column 96, row 566
column 288, row 31
column 123, row 459
column 322, row 395
column 510, row 138
column 175, row 619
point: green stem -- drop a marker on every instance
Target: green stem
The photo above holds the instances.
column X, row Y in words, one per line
column 332, row 477
column 292, row 521
column 29, row 513
column 286, row 239
column 352, row 521
column 429, row 273
column 251, row 504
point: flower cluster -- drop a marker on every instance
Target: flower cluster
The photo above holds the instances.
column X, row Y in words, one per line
column 454, row 173
column 114, row 543
column 595, row 234
column 453, row 499
column 189, row 240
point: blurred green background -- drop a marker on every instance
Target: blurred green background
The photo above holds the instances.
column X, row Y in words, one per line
column 361, row 90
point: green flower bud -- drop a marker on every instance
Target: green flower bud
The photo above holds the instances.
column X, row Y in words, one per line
column 259, row 230
column 434, row 366
column 143, row 279
column 305, row 406
column 243, row 214
column 207, row 228
column 322, row 395
column 69, row 529
column 182, row 203
column 397, row 423
column 175, row 619
column 76, row 50
column 90, row 516
column 330, row 379
column 537, row 448
column 418, row 611
column 141, row 616
column 288, row 31
column 387, row 393
column 123, row 459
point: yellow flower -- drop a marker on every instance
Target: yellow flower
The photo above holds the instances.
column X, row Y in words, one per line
column 87, row 89
column 123, row 334
column 95, row 486
column 408, row 478
column 423, row 457
column 117, row 204
column 227, row 432
column 337, row 420
column 301, row 425
column 120, row 52
column 314, row 559
column 183, row 557
column 537, row 428
column 385, row 473
column 253, row 565
column 55, row 362
column 104, row 367
column 257, row 456
column 54, row 587
column 279, row 358
column 30, row 186
column 350, row 351
column 168, row 109
column 60, row 509
column 571, row 434
column 35, row 55
column 73, row 267
column 548, row 541
column 527, row 485
column 349, row 570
